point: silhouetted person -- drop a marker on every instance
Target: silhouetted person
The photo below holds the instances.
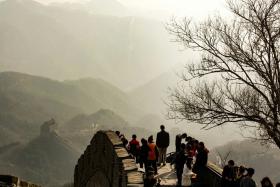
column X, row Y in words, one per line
column 178, row 141
column 150, row 180
column 122, row 137
column 277, row 185
column 134, row 147
column 162, row 143
column 240, row 175
column 153, row 154
column 248, row 181
column 266, row 182
column 180, row 161
column 144, row 151
column 201, row 163
column 228, row 175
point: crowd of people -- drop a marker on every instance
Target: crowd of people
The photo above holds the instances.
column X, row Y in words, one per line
column 239, row 176
column 189, row 160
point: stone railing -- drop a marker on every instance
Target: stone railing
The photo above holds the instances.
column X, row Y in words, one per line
column 106, row 163
column 8, row 180
column 214, row 175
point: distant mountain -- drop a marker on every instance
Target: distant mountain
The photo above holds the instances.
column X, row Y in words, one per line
column 47, row 160
column 153, row 95
column 58, row 99
column 28, row 100
column 63, row 43
column 101, row 7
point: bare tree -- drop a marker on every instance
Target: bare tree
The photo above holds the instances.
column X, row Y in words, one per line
column 241, row 58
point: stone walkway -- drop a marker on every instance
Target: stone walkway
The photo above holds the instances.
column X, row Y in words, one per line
column 167, row 175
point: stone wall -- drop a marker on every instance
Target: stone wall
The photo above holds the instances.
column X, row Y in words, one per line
column 106, row 163
column 9, row 180
column 214, row 175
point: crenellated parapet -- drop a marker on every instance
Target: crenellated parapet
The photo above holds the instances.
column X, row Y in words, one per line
column 106, row 163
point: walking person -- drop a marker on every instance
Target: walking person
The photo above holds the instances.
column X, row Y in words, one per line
column 266, row 182
column 248, row 181
column 162, row 143
column 144, row 152
column 152, row 154
column 134, row 147
column 228, row 175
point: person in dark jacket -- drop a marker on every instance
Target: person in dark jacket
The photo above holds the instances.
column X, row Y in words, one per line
column 150, row 180
column 228, row 175
column 162, row 143
column 144, row 151
column 240, row 175
column 180, row 161
column 200, row 165
column 266, row 182
column 248, row 181
column 178, row 141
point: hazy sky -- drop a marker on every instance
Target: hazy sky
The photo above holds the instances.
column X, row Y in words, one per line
column 195, row 8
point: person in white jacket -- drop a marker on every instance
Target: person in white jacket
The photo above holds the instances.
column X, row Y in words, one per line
column 187, row 172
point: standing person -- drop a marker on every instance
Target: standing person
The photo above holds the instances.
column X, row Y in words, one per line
column 187, row 172
column 178, row 141
column 201, row 163
column 228, row 175
column 180, row 161
column 152, row 154
column 134, row 147
column 144, row 151
column 248, row 181
column 240, row 175
column 266, row 182
column 162, row 143
column 122, row 137
column 150, row 180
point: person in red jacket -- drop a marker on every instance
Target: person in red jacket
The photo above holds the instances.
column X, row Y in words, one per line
column 153, row 154
column 134, row 147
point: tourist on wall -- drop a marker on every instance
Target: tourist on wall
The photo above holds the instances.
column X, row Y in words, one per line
column 178, row 141
column 266, row 182
column 200, row 165
column 187, row 172
column 144, row 152
column 150, row 180
column 134, row 147
column 152, row 154
column 162, row 143
column 240, row 175
column 180, row 160
column 248, row 180
column 228, row 175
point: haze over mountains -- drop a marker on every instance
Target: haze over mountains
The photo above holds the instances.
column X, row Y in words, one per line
column 62, row 43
